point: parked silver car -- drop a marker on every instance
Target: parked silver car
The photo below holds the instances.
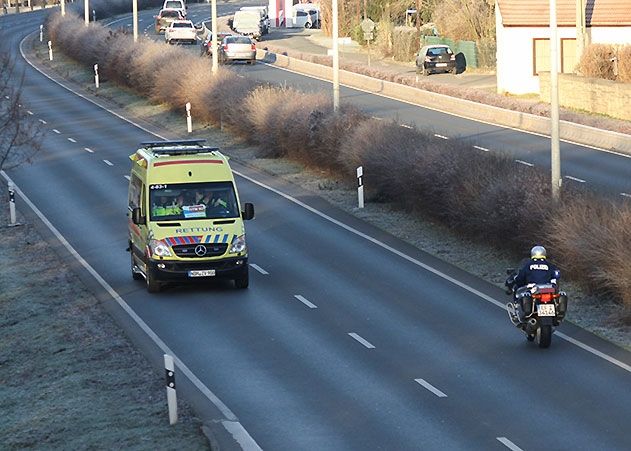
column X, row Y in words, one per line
column 237, row 48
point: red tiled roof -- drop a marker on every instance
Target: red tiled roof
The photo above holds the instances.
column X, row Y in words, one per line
column 532, row 13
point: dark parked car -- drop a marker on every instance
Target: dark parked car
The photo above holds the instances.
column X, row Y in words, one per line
column 435, row 58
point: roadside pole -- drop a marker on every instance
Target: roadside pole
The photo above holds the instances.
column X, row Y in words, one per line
column 135, row 14
column 189, row 120
column 360, row 186
column 86, row 12
column 63, row 7
column 50, row 50
column 213, row 23
column 96, row 76
column 12, row 222
column 41, row 33
column 170, row 383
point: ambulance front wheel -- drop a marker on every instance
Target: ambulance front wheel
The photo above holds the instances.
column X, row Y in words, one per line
column 243, row 281
column 153, row 286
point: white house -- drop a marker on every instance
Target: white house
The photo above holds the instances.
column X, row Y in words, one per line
column 523, row 37
column 280, row 11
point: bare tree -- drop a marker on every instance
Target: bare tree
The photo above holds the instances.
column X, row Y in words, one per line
column 465, row 19
column 20, row 134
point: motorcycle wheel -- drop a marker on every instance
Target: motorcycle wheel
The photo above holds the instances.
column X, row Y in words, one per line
column 544, row 336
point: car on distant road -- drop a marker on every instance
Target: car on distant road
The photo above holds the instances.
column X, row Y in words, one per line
column 206, row 44
column 181, row 31
column 237, row 48
column 176, row 4
column 435, row 58
column 165, row 17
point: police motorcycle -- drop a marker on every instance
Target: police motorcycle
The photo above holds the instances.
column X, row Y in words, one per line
column 543, row 307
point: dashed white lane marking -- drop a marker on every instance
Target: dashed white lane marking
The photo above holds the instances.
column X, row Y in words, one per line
column 42, row 121
column 56, row 131
column 575, row 179
column 305, row 301
column 524, row 162
column 361, row 340
column 127, row 177
column 259, row 269
column 406, row 126
column 377, row 118
column 431, row 388
column 440, row 136
column 107, row 162
column 625, row 194
column 72, row 140
column 481, row 148
column 30, row 113
column 87, row 149
column 507, row 443
column 6, row 97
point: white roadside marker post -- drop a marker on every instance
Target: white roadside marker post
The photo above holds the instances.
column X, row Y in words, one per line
column 93, row 15
column 41, row 33
column 50, row 50
column 360, row 186
column 189, row 121
column 171, row 395
column 13, row 222
column 96, row 76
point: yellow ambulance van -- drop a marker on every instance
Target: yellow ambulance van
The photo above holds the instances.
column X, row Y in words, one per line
column 185, row 218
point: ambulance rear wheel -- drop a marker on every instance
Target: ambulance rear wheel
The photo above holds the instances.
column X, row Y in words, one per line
column 153, row 286
column 243, row 281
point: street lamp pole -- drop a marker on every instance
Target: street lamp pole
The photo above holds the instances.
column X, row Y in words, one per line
column 135, row 14
column 336, row 60
column 213, row 18
column 555, row 152
column 86, row 12
column 63, row 7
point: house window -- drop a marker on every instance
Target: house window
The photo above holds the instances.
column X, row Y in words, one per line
column 568, row 55
column 541, row 56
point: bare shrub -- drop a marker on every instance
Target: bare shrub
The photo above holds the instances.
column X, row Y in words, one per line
column 224, row 100
column 405, row 43
column 596, row 61
column 624, row 64
column 465, row 19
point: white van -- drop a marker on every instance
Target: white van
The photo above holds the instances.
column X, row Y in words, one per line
column 176, row 4
column 262, row 10
column 304, row 15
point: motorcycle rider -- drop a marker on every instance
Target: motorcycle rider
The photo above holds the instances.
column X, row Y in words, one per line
column 536, row 270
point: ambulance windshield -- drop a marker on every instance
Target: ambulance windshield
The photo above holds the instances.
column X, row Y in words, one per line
column 192, row 201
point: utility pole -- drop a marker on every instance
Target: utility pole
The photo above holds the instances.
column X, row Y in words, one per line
column 63, row 7
column 134, row 8
column 555, row 153
column 86, row 12
column 213, row 18
column 336, row 61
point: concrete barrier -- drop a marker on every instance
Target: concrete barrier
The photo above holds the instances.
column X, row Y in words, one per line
column 572, row 132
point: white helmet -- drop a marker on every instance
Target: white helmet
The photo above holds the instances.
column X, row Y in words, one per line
column 538, row 252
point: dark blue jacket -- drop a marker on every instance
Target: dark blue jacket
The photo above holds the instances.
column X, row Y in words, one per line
column 539, row 271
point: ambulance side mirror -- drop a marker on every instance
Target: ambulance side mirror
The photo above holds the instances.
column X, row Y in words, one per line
column 248, row 213
column 136, row 216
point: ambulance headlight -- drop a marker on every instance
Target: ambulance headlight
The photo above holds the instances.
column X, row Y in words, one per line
column 238, row 245
column 159, row 249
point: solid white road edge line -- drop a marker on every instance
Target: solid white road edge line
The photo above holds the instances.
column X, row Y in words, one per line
column 418, row 263
column 462, row 285
column 361, row 340
column 507, row 443
column 305, row 301
column 242, row 437
column 259, row 269
column 431, row 388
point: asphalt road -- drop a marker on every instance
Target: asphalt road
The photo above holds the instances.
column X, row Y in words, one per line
column 347, row 338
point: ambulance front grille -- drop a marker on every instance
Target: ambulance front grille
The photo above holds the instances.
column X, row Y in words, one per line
column 200, row 250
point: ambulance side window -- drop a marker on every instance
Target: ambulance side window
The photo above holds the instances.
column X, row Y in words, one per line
column 135, row 192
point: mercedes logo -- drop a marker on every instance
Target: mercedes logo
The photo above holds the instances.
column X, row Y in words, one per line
column 200, row 250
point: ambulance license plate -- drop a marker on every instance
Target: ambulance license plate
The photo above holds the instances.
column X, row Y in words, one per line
column 202, row 273
column 546, row 310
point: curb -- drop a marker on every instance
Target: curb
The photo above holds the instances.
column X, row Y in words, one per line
column 569, row 131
